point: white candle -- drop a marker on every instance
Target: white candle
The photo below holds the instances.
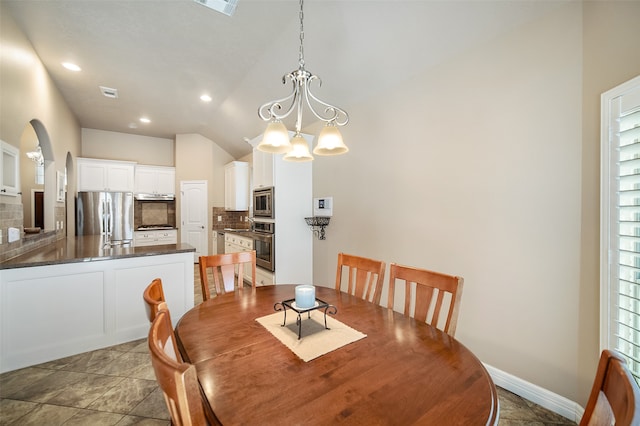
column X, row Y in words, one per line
column 305, row 296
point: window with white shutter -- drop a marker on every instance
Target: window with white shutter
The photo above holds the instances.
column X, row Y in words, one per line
column 620, row 223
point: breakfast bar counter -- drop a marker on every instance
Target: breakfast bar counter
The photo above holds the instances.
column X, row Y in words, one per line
column 74, row 296
column 87, row 248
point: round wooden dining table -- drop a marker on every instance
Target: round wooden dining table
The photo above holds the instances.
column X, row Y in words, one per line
column 403, row 372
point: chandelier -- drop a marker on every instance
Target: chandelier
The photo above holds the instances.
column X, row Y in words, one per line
column 276, row 137
column 36, row 156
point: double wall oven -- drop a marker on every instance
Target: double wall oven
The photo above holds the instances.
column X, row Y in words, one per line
column 263, row 244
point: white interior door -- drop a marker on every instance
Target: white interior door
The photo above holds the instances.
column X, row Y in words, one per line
column 193, row 213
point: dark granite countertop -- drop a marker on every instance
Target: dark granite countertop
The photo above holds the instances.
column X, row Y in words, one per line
column 87, row 249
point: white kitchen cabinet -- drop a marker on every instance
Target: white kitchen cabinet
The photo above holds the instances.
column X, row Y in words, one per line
column 262, row 169
column 264, row 277
column 292, row 202
column 9, row 169
column 234, row 243
column 236, row 186
column 158, row 180
column 105, row 175
column 155, row 237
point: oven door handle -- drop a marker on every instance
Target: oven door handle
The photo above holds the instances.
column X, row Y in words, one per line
column 264, row 238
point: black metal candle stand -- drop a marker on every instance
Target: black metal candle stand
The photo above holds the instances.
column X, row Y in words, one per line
column 319, row 304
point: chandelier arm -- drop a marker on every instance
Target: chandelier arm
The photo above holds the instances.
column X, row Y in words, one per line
column 268, row 110
column 333, row 114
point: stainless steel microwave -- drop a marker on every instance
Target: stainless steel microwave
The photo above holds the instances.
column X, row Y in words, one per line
column 263, row 202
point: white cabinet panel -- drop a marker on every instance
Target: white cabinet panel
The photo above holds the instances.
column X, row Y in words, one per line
column 262, row 169
column 234, row 243
column 236, row 186
column 264, row 277
column 131, row 282
column 105, row 175
column 49, row 309
column 155, row 180
column 54, row 311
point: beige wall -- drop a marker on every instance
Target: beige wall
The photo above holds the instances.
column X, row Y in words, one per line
column 27, row 93
column 197, row 158
column 487, row 167
column 127, row 147
column 610, row 54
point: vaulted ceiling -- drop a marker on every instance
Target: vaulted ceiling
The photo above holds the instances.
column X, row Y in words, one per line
column 161, row 55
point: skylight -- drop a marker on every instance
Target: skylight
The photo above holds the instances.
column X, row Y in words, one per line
column 223, row 6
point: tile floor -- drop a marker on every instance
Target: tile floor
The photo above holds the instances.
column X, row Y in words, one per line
column 116, row 386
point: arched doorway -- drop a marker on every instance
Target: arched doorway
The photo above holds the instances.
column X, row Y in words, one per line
column 38, row 194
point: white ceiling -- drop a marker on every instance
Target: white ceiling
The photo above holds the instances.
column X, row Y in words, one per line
column 161, row 55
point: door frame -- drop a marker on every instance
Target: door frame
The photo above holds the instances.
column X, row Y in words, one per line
column 205, row 250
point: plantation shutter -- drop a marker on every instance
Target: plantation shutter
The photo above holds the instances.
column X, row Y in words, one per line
column 620, row 287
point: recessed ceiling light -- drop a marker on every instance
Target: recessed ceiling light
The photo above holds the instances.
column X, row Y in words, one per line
column 145, row 120
column 205, row 98
column 71, row 67
column 133, row 126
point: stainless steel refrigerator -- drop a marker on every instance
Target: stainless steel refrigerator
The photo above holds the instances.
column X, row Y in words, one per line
column 109, row 214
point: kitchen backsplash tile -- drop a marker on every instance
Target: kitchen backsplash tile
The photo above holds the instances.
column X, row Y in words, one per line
column 11, row 215
column 230, row 219
column 154, row 213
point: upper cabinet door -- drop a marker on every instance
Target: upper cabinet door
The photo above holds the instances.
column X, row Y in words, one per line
column 9, row 169
column 120, row 177
column 236, row 186
column 262, row 169
column 105, row 175
column 166, row 180
column 145, row 180
column 155, row 180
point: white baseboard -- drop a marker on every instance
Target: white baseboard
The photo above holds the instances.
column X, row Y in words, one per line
column 534, row 393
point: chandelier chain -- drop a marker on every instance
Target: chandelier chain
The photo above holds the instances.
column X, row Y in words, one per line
column 301, row 57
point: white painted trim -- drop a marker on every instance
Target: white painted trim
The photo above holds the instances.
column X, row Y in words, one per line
column 534, row 393
column 610, row 108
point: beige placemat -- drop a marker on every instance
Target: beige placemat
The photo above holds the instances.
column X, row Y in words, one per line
column 315, row 339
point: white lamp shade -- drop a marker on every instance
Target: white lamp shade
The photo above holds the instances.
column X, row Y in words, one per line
column 330, row 142
column 299, row 151
column 275, row 139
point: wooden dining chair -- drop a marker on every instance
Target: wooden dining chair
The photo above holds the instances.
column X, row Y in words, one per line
column 153, row 296
column 177, row 380
column 227, row 270
column 436, row 296
column 615, row 396
column 366, row 276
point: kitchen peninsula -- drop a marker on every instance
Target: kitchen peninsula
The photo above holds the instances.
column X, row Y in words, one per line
column 74, row 296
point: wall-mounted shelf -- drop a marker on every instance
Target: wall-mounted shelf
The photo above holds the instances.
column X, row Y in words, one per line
column 317, row 224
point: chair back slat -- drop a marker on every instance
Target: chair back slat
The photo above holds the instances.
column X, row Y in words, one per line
column 228, row 271
column 365, row 276
column 432, row 294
